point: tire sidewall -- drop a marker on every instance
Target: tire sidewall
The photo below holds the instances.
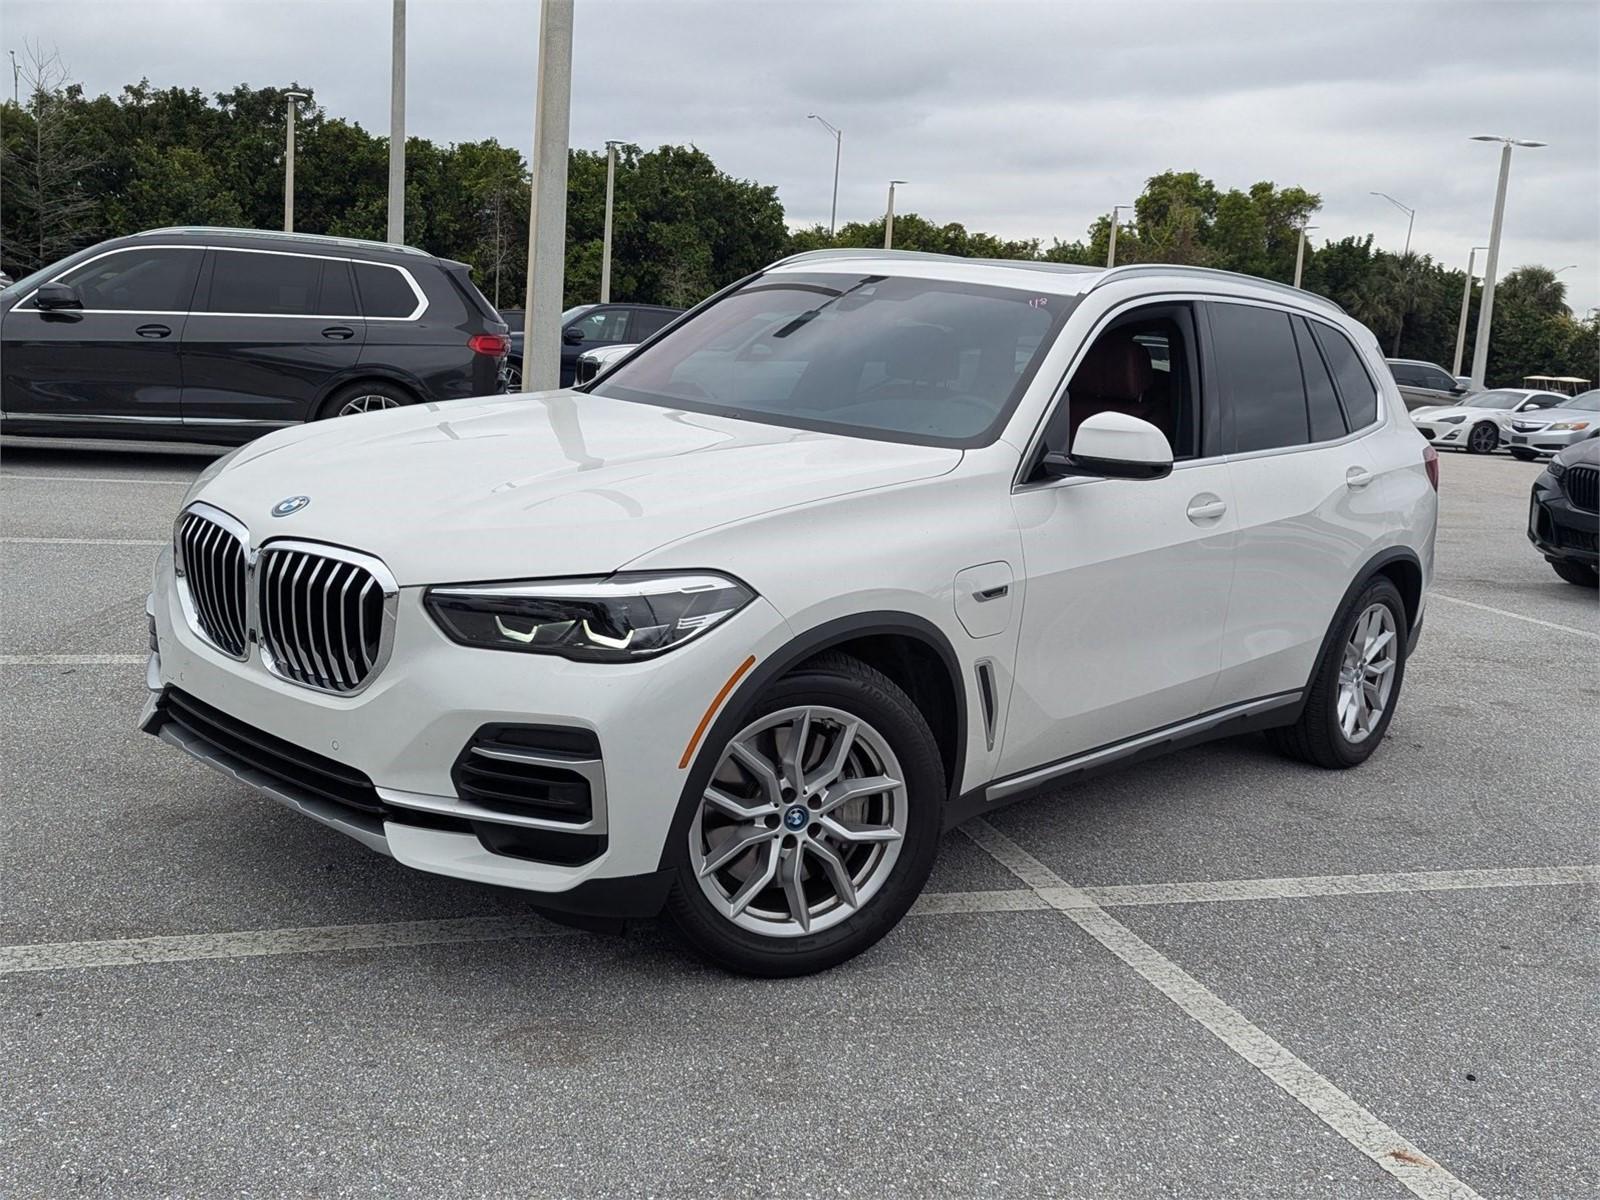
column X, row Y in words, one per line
column 1379, row 590
column 376, row 387
column 894, row 716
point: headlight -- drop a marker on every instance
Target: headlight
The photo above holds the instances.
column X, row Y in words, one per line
column 616, row 619
column 1557, row 470
column 1455, row 420
column 1568, row 425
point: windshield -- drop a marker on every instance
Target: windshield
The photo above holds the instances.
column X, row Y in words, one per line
column 1584, row 401
column 1495, row 400
column 576, row 310
column 900, row 359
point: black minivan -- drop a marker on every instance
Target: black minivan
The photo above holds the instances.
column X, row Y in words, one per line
column 218, row 335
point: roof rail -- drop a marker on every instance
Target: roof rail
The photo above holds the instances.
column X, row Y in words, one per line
column 1136, row 270
column 324, row 238
column 849, row 252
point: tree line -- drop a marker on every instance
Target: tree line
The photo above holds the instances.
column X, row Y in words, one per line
column 79, row 168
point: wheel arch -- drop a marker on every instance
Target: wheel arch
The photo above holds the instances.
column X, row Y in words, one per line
column 1401, row 566
column 366, row 373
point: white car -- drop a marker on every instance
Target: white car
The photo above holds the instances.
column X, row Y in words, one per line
column 591, row 363
column 1478, row 424
column 1542, row 434
column 868, row 544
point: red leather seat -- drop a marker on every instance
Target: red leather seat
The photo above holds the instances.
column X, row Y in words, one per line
column 1116, row 376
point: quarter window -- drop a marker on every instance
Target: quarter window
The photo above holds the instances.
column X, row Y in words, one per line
column 274, row 285
column 1260, row 370
column 1322, row 402
column 384, row 291
column 1356, row 389
column 149, row 281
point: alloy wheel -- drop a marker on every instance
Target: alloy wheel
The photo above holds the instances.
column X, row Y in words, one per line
column 1366, row 676
column 801, row 823
column 371, row 402
column 1483, row 438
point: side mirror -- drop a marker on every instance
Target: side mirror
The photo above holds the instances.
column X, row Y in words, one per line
column 572, row 335
column 1115, row 446
column 1459, row 389
column 55, row 296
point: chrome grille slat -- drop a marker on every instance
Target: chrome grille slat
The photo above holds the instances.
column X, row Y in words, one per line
column 213, row 560
column 310, row 603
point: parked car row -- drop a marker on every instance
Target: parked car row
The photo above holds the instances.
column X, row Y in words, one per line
column 1478, row 423
column 586, row 328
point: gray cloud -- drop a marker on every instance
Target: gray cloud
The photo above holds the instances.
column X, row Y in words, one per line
column 1024, row 119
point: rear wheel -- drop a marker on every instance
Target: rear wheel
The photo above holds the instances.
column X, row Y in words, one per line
column 511, row 375
column 1357, row 684
column 1579, row 573
column 374, row 395
column 817, row 828
column 1483, row 439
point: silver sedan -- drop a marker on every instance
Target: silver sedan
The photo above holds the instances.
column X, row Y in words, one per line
column 1531, row 435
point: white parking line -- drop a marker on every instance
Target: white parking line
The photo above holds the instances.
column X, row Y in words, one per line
column 1336, row 885
column 1516, row 616
column 92, row 479
column 44, row 541
column 72, row 660
column 1362, row 1129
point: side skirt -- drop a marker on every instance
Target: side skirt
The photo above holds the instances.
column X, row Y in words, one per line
column 1266, row 712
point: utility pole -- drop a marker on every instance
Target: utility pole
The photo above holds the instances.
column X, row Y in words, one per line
column 293, row 99
column 605, row 246
column 547, row 200
column 1466, row 300
column 397, row 127
column 1300, row 254
column 16, row 74
column 1111, row 250
column 1480, row 350
column 888, row 217
column 838, row 142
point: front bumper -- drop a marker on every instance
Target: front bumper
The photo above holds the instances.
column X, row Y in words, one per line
column 1557, row 528
column 1542, row 442
column 1444, row 435
column 405, row 731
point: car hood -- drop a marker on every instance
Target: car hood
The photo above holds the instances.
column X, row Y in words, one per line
column 1434, row 412
column 1586, row 452
column 548, row 484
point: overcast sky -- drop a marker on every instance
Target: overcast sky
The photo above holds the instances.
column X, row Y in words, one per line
column 1025, row 119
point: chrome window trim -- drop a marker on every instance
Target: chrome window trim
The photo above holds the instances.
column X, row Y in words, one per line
column 191, row 614
column 411, row 282
column 366, row 562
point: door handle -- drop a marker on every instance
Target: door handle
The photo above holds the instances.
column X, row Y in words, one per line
column 984, row 595
column 338, row 333
column 154, row 331
column 1206, row 507
column 1357, row 478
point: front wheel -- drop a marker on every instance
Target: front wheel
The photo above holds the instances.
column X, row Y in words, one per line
column 1581, row 574
column 1357, row 685
column 1483, row 439
column 817, row 827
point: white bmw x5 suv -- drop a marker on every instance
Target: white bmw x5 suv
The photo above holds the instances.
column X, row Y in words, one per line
column 866, row 544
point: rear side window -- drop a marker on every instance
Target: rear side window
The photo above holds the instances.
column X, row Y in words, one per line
column 152, row 281
column 1356, row 389
column 384, row 291
column 338, row 295
column 1322, row 402
column 647, row 322
column 1260, row 372
column 278, row 285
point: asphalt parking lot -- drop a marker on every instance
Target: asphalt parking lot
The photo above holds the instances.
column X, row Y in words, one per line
column 1215, row 975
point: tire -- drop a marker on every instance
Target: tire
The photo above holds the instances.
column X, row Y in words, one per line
column 1483, row 439
column 789, row 924
column 371, row 395
column 1581, row 574
column 511, row 376
column 1320, row 735
column 1524, row 455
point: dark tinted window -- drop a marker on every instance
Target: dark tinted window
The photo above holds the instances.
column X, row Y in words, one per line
column 269, row 284
column 139, row 280
column 384, row 291
column 1261, row 381
column 1356, row 389
column 338, row 295
column 1435, row 378
column 1322, row 403
column 602, row 326
column 1407, row 376
column 904, row 359
column 648, row 321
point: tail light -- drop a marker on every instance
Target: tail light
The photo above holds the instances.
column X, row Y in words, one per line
column 496, row 344
column 1430, row 463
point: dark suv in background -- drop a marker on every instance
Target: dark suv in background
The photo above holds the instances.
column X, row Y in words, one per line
column 585, row 328
column 217, row 335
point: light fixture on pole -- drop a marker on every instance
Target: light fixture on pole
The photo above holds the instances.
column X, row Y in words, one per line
column 397, row 126
column 1568, row 267
column 888, row 217
column 1411, row 217
column 1480, row 348
column 1466, row 301
column 1300, row 253
column 293, row 99
column 605, row 244
column 838, row 142
column 547, row 200
column 1111, row 249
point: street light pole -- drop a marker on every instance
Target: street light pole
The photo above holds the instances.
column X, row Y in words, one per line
column 888, row 217
column 547, row 200
column 16, row 74
column 605, row 245
column 1111, row 250
column 294, row 99
column 838, row 142
column 1480, row 349
column 397, row 127
column 1466, row 300
column 1300, row 253
column 1405, row 258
